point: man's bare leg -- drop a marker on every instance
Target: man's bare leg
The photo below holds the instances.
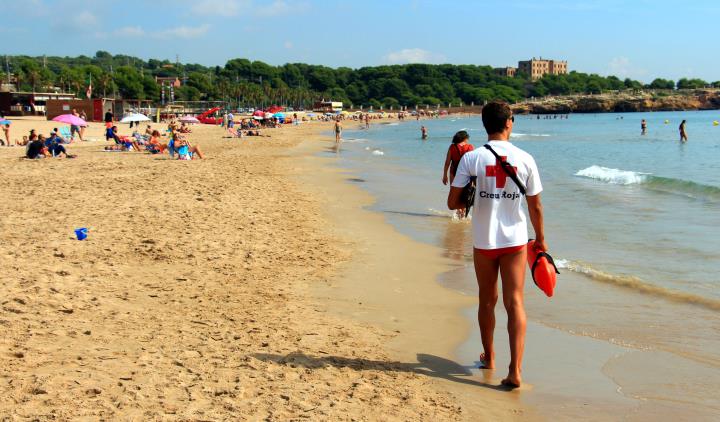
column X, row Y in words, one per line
column 486, row 272
column 512, row 271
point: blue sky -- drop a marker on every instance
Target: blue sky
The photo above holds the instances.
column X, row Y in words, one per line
column 641, row 39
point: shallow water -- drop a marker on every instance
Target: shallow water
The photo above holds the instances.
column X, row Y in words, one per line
column 633, row 220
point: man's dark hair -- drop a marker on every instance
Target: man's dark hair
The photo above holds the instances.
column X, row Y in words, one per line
column 460, row 136
column 495, row 115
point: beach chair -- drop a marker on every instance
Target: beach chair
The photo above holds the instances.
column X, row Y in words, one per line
column 65, row 133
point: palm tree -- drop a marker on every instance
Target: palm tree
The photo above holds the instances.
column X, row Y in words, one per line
column 33, row 77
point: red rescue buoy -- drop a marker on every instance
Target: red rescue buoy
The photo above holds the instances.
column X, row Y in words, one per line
column 543, row 269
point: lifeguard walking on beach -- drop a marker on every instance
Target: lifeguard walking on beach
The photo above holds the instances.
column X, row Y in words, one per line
column 500, row 234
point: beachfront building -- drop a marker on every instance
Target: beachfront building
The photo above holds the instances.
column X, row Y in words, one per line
column 507, row 71
column 173, row 81
column 328, row 106
column 537, row 68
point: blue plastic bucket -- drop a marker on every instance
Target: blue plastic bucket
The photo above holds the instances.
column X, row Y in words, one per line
column 81, row 233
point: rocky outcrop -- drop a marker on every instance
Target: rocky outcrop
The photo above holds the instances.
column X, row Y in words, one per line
column 608, row 103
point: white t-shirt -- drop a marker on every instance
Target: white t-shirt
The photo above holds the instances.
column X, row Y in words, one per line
column 497, row 216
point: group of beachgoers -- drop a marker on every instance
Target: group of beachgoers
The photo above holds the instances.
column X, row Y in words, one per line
column 41, row 146
column 250, row 127
column 681, row 129
column 152, row 141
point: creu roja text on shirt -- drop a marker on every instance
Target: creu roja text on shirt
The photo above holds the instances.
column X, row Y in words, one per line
column 504, row 195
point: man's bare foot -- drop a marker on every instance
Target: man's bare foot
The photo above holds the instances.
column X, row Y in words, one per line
column 485, row 362
column 511, row 382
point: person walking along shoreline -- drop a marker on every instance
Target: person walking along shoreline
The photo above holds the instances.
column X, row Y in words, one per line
column 500, row 233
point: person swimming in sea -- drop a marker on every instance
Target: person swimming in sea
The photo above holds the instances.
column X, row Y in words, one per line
column 643, row 127
column 424, row 132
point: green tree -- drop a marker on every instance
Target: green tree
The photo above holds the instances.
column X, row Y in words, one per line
column 685, row 83
column 660, row 83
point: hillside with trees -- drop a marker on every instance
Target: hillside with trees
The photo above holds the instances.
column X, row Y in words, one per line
column 241, row 82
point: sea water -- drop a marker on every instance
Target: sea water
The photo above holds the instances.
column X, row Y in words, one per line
column 632, row 219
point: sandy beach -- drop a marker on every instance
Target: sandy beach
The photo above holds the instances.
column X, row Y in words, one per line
column 209, row 290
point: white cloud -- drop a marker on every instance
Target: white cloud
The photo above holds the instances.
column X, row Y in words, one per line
column 224, row 8
column 413, row 55
column 622, row 67
column 258, row 8
column 278, row 7
column 84, row 20
column 186, row 32
column 129, row 31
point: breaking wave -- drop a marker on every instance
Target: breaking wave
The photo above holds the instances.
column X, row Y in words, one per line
column 638, row 285
column 649, row 181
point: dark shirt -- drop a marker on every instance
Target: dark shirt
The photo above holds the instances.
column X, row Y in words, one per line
column 34, row 149
column 108, row 117
column 52, row 140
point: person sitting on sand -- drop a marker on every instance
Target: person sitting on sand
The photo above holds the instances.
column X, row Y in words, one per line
column 53, row 147
column 149, row 131
column 126, row 144
column 186, row 151
column 35, row 148
column 184, row 128
column 154, row 145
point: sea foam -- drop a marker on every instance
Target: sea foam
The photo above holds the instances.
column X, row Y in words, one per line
column 613, row 176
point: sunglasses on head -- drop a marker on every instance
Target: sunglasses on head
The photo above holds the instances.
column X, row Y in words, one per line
column 512, row 119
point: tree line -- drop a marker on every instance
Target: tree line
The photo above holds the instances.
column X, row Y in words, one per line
column 241, row 82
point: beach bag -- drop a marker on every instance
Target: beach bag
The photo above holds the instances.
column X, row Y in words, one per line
column 467, row 196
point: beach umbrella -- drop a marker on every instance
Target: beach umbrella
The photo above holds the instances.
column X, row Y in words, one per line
column 4, row 122
column 70, row 119
column 258, row 117
column 189, row 119
column 311, row 114
column 135, row 117
column 259, row 113
column 279, row 115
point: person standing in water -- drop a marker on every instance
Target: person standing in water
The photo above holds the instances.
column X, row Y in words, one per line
column 683, row 134
column 423, row 132
column 500, row 234
column 338, row 130
column 643, row 127
column 457, row 149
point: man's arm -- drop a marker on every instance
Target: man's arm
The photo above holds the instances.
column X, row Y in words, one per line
column 453, row 201
column 535, row 209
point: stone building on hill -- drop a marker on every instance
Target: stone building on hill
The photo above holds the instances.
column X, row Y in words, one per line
column 536, row 68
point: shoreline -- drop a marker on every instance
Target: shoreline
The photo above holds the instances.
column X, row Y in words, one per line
column 392, row 283
column 595, row 371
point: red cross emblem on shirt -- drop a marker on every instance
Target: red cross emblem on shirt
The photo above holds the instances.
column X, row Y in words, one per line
column 498, row 173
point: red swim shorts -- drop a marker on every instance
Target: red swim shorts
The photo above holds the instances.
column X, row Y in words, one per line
column 497, row 253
